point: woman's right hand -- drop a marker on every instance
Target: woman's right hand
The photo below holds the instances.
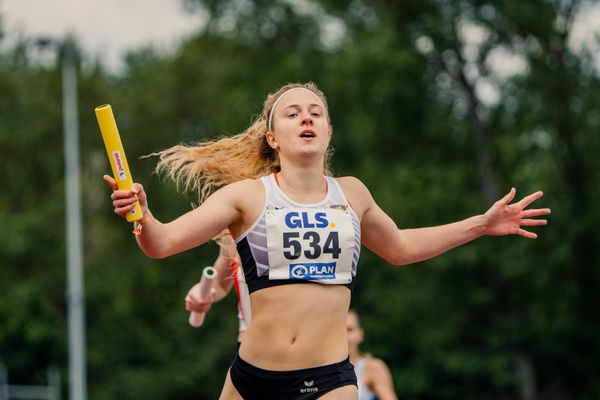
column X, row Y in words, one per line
column 124, row 200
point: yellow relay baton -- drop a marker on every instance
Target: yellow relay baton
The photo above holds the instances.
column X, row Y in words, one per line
column 116, row 155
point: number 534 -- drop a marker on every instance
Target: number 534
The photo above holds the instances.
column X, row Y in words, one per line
column 293, row 245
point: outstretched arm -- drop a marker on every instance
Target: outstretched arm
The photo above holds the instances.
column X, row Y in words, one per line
column 160, row 240
column 400, row 247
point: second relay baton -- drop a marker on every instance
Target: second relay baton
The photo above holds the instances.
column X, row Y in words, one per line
column 209, row 275
column 116, row 155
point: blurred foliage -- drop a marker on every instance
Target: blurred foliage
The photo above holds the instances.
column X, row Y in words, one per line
column 501, row 318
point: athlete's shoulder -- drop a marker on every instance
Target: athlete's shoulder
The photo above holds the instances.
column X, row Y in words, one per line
column 245, row 191
column 244, row 187
column 356, row 192
column 247, row 196
column 376, row 366
column 352, row 183
column 246, row 183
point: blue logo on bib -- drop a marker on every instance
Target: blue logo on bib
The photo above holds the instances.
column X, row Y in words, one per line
column 295, row 220
column 312, row 271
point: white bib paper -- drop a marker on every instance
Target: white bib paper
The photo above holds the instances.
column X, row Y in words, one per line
column 310, row 244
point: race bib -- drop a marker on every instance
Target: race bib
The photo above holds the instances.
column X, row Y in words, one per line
column 310, row 244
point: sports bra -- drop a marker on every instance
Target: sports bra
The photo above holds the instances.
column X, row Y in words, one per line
column 292, row 243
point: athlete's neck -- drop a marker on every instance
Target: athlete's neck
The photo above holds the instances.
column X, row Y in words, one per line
column 308, row 185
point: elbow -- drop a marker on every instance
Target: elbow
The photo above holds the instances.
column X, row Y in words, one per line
column 398, row 260
column 155, row 254
column 398, row 253
column 402, row 256
column 156, row 249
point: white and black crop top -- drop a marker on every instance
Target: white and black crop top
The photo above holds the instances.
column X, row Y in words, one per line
column 298, row 243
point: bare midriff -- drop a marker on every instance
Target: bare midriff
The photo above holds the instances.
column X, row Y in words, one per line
column 297, row 326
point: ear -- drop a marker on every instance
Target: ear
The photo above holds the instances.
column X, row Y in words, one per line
column 271, row 140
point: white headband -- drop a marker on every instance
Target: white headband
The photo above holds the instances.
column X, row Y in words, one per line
column 270, row 123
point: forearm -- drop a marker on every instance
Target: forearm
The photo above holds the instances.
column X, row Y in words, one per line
column 196, row 227
column 424, row 243
column 151, row 239
column 220, row 292
column 224, row 277
column 192, row 229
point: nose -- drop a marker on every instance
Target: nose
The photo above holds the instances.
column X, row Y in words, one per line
column 307, row 118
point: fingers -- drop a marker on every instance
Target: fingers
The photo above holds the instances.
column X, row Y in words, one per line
column 508, row 198
column 139, row 191
column 508, row 219
column 533, row 222
column 193, row 304
column 526, row 234
column 536, row 212
column 530, row 199
column 110, row 182
column 123, row 210
column 124, row 200
column 193, row 301
column 197, row 308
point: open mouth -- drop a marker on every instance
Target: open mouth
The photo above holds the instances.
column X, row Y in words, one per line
column 307, row 134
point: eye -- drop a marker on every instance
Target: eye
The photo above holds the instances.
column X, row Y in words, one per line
column 292, row 115
column 316, row 114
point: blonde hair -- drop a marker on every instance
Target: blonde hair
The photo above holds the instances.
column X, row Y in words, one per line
column 210, row 164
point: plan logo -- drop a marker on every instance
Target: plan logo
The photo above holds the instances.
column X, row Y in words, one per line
column 312, row 271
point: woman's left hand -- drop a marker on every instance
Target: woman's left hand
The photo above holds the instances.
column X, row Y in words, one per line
column 504, row 218
column 195, row 303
